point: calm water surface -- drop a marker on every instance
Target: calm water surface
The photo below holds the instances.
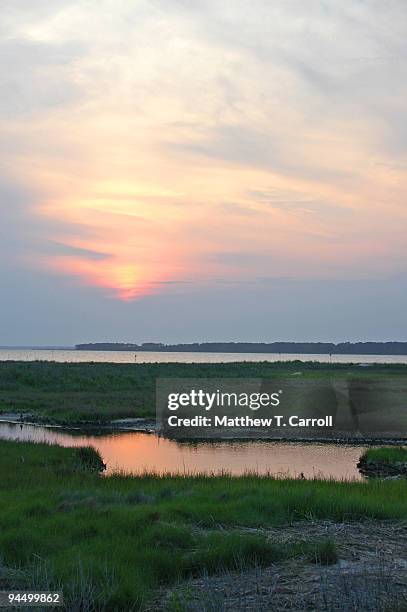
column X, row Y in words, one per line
column 159, row 357
column 137, row 452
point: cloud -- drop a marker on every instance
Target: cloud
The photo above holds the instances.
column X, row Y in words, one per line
column 57, row 248
column 157, row 142
column 40, row 79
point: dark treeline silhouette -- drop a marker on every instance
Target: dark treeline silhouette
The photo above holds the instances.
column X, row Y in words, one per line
column 316, row 348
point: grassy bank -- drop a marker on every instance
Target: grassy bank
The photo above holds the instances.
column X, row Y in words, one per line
column 73, row 392
column 391, row 455
column 119, row 539
column 384, row 462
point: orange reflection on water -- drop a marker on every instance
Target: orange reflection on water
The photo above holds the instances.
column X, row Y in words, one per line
column 136, row 452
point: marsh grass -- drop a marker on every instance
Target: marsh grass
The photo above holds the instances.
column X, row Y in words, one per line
column 114, row 541
column 321, row 553
column 68, row 393
column 393, row 454
column 90, row 459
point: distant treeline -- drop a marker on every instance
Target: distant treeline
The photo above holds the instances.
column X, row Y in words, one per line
column 316, row 348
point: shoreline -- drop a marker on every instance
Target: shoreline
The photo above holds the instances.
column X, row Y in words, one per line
column 149, row 426
column 136, row 424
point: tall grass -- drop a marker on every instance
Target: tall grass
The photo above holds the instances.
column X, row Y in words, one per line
column 393, row 454
column 113, row 541
column 70, row 392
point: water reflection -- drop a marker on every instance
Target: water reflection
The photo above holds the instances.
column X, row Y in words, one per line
column 136, row 452
column 73, row 356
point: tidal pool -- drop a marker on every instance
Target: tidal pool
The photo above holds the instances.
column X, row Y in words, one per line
column 136, row 452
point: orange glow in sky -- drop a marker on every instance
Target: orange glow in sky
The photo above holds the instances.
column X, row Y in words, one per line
column 175, row 152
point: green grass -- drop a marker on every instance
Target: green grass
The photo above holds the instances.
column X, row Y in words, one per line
column 391, row 454
column 67, row 393
column 322, row 553
column 119, row 539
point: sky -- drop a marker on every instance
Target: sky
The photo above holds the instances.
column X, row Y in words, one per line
column 202, row 170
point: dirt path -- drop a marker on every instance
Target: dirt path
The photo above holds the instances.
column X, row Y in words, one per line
column 370, row 575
